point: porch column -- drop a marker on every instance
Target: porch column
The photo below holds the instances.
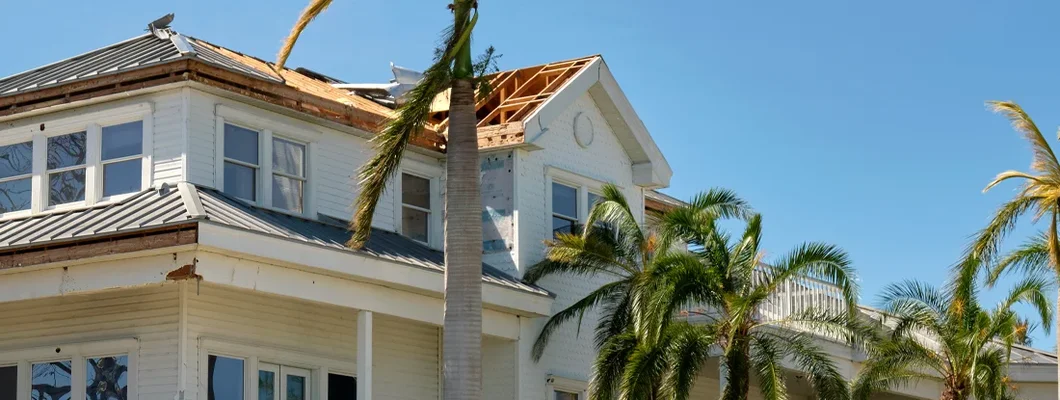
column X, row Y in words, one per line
column 364, row 355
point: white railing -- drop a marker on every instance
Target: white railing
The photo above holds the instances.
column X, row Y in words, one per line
column 793, row 297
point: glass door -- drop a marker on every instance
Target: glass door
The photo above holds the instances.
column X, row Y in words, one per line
column 294, row 383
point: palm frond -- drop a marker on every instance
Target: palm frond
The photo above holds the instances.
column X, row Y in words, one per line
column 390, row 145
column 1044, row 159
column 821, row 371
column 688, row 352
column 829, row 324
column 314, row 9
column 581, row 256
column 610, row 365
column 820, row 261
column 766, row 357
column 987, row 241
column 1031, row 291
column 576, row 310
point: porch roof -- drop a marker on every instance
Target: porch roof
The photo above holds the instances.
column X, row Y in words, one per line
column 183, row 204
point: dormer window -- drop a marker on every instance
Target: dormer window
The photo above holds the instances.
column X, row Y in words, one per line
column 564, row 208
column 265, row 161
column 16, row 177
column 122, row 150
column 288, row 174
column 241, row 162
column 416, row 207
column 66, row 168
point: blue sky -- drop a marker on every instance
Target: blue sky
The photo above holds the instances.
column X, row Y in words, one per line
column 856, row 123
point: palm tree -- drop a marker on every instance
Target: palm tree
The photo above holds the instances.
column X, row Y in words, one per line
column 946, row 333
column 1039, row 194
column 647, row 353
column 453, row 69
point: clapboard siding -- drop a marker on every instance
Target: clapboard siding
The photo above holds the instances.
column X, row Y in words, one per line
column 201, row 143
column 149, row 314
column 498, row 369
column 168, row 139
column 338, row 155
column 406, row 353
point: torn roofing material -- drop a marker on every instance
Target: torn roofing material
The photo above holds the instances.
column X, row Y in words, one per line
column 185, row 204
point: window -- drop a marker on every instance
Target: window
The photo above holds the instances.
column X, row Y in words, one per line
column 564, row 208
column 106, row 378
column 9, row 382
column 51, row 380
column 241, row 162
column 562, row 395
column 16, row 178
column 342, row 387
column 121, row 152
column 288, row 174
column 66, row 168
column 415, row 207
column 289, row 383
column 224, row 378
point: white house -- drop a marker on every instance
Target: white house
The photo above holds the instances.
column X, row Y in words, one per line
column 172, row 226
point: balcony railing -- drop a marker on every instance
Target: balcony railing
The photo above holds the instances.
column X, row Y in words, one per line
column 793, row 297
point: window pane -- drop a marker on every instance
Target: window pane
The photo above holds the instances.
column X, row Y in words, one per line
column 123, row 140
column 9, row 382
column 414, row 223
column 288, row 157
column 240, row 181
column 266, row 385
column 122, row 177
column 566, row 396
column 564, row 200
column 67, row 150
column 561, row 225
column 295, row 387
column 16, row 159
column 415, row 191
column 286, row 193
column 66, row 187
column 225, row 378
column 241, row 144
column 16, row 195
column 340, row 387
column 593, row 199
column 50, row 381
column 107, row 378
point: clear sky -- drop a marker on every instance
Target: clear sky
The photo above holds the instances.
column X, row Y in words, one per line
column 856, row 123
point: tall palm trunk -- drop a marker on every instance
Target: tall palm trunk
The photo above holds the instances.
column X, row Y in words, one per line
column 462, row 330
column 737, row 370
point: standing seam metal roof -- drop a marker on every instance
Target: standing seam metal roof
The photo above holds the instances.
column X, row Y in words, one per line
column 167, row 206
column 141, row 51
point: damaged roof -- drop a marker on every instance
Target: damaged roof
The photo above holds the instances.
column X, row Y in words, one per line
column 171, row 206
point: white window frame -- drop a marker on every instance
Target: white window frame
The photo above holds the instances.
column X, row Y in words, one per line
column 77, row 353
column 21, row 177
column 434, row 215
column 255, row 354
column 566, row 385
column 92, row 124
column 305, row 170
column 268, row 127
column 582, row 183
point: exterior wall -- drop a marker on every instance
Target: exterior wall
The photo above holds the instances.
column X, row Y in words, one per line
column 570, row 353
column 498, row 369
column 406, row 354
column 149, row 314
column 334, row 158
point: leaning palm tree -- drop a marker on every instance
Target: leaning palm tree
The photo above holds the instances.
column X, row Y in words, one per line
column 453, row 69
column 1039, row 194
column 946, row 334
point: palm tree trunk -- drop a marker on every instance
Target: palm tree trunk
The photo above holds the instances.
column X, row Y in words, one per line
column 737, row 369
column 462, row 331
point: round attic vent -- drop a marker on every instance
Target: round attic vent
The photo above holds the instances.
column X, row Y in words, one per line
column 583, row 130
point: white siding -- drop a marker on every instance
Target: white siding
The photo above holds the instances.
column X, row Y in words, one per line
column 406, row 353
column 498, row 369
column 149, row 314
column 570, row 353
column 168, row 141
column 338, row 156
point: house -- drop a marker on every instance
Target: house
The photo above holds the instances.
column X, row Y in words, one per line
column 172, row 226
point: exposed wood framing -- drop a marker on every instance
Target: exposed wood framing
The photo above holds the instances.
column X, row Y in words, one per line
column 515, row 95
column 117, row 244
